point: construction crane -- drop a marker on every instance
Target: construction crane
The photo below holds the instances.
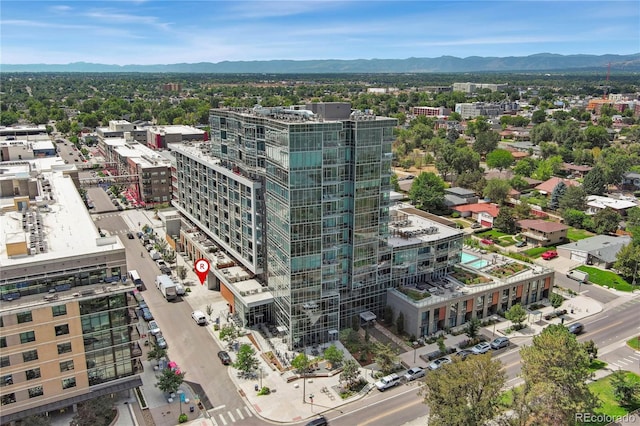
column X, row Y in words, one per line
column 606, row 86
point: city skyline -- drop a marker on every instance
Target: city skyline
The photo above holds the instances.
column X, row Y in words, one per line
column 165, row 32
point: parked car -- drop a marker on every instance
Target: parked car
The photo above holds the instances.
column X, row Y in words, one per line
column 576, row 328
column 320, row 421
column 388, row 382
column 198, row 317
column 224, row 357
column 476, row 225
column 439, row 363
column 414, row 373
column 464, row 353
column 130, row 235
column 160, row 341
column 486, row 241
column 481, row 348
column 154, row 328
column 549, row 254
column 146, row 314
column 500, row 342
column 521, row 243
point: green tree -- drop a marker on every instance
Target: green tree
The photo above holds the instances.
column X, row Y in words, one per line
column 516, row 314
column 464, row 393
column 170, row 380
column 497, row 190
column 574, row 198
column 156, row 353
column 301, row 363
column 350, row 372
column 500, row 159
column 592, row 349
column 427, row 192
column 557, row 193
column 442, row 347
column 229, row 332
column 627, row 263
column 333, row 355
column 594, row 181
column 505, row 221
column 556, row 300
column 555, row 369
column 246, row 360
column 394, row 182
column 181, row 272
column 538, row 116
column 522, row 210
column 36, row 420
column 486, row 142
column 596, row 137
column 97, row 412
column 525, row 167
column 385, row 357
column 625, row 389
column 606, row 221
column 472, row 328
column 542, row 132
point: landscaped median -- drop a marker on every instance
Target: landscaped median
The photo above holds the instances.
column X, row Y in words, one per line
column 634, row 343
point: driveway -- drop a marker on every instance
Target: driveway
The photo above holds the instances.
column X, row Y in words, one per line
column 559, row 264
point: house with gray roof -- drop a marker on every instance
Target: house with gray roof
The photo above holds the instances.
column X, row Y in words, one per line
column 457, row 196
column 599, row 250
column 631, row 180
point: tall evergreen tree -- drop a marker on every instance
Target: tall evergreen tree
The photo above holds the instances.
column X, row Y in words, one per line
column 556, row 195
column 595, row 181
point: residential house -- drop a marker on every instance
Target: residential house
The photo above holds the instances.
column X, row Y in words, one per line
column 595, row 203
column 631, row 180
column 547, row 187
column 457, row 196
column 483, row 213
column 598, row 250
column 576, row 171
column 542, row 233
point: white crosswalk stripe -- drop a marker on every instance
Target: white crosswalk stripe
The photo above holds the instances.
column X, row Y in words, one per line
column 630, row 360
column 614, row 365
column 240, row 413
column 622, row 362
column 249, row 413
column 231, row 415
column 224, row 421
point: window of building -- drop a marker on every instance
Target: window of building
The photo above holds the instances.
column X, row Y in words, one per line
column 30, row 355
column 66, row 366
column 24, row 317
column 36, row 391
column 3, row 342
column 61, row 330
column 27, row 336
column 4, row 361
column 9, row 398
column 63, row 348
column 6, row 380
column 33, row 373
column 59, row 310
column 69, row 383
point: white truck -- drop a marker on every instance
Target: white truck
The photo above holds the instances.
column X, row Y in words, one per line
column 583, row 277
column 166, row 285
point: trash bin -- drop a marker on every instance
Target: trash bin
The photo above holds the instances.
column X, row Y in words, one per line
column 257, row 388
column 192, row 409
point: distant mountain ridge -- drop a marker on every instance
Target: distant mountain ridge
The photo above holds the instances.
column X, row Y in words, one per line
column 444, row 64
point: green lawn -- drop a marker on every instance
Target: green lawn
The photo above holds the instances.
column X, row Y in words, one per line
column 492, row 233
column 462, row 223
column 575, row 234
column 537, row 251
column 608, row 278
column 634, row 343
column 609, row 405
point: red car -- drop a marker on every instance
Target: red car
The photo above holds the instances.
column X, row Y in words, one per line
column 548, row 255
column 487, row 242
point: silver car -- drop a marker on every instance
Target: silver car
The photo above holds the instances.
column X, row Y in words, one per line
column 439, row 363
column 154, row 328
column 414, row 373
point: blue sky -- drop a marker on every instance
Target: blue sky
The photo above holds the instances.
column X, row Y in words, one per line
column 165, row 32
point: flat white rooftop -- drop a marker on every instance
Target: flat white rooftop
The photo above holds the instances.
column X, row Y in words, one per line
column 414, row 229
column 66, row 225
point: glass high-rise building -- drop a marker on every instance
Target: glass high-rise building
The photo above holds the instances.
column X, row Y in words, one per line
column 319, row 208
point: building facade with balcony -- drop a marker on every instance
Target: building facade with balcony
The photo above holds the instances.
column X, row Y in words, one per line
column 542, row 233
column 67, row 319
column 306, row 191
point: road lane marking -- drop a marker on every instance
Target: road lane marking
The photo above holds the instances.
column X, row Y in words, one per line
column 622, row 362
column 630, row 360
column 240, row 413
column 231, row 415
column 388, row 413
column 224, row 421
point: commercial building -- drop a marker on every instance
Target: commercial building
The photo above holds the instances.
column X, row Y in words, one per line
column 485, row 109
column 302, row 193
column 473, row 87
column 432, row 111
column 67, row 318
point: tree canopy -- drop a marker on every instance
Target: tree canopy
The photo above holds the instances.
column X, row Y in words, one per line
column 427, row 191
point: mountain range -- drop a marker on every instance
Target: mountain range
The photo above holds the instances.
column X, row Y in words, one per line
column 445, row 64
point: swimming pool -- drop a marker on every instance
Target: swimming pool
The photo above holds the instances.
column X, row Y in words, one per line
column 479, row 264
column 466, row 258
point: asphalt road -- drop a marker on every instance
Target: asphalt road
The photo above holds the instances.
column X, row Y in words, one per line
column 189, row 345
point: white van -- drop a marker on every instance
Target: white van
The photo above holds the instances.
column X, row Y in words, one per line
column 388, row 382
column 135, row 278
column 578, row 276
column 154, row 255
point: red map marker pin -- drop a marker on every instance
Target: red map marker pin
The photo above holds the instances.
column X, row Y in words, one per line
column 202, row 269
